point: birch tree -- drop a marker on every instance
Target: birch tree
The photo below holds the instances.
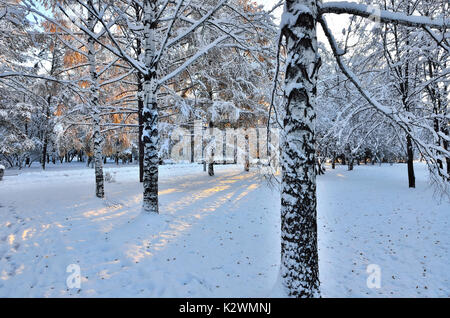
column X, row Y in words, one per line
column 157, row 43
column 299, row 255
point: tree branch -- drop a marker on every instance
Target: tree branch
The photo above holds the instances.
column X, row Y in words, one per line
column 385, row 16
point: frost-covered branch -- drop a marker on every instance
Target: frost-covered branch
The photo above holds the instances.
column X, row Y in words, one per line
column 404, row 121
column 385, row 16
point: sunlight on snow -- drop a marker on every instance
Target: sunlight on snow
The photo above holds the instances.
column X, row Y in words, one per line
column 11, row 238
column 246, row 192
column 167, row 191
column 26, row 234
column 137, row 252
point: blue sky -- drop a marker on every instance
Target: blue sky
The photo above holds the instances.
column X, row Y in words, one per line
column 38, row 6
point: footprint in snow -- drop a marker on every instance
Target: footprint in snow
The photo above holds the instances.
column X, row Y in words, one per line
column 111, row 204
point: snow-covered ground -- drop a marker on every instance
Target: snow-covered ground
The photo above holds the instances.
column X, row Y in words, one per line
column 216, row 236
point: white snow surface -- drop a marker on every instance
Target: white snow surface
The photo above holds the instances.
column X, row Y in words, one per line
column 216, row 236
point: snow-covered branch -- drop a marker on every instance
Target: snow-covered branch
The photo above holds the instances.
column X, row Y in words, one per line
column 385, row 16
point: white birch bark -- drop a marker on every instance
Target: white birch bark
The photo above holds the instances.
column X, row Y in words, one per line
column 247, row 152
column 299, row 258
column 150, row 136
column 94, row 104
column 211, row 149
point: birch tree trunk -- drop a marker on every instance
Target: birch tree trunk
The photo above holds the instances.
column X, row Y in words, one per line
column 350, row 163
column 94, row 99
column 140, row 98
column 224, row 147
column 150, row 136
column 203, row 147
column 211, row 149
column 247, row 153
column 410, row 162
column 235, row 148
column 192, row 132
column 140, row 133
column 258, row 152
column 51, row 91
column 405, row 99
column 46, row 130
column 320, row 169
column 299, row 258
column 349, row 156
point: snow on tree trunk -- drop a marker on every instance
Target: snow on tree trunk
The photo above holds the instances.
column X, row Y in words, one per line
column 44, row 151
column 446, row 147
column 192, row 144
column 150, row 135
column 235, row 148
column 258, row 154
column 140, row 101
column 46, row 128
column 224, row 147
column 211, row 164
column 203, row 147
column 94, row 96
column 211, row 149
column 409, row 150
column 299, row 258
column 349, row 156
column 247, row 153
column 320, row 169
column 350, row 164
column 141, row 128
